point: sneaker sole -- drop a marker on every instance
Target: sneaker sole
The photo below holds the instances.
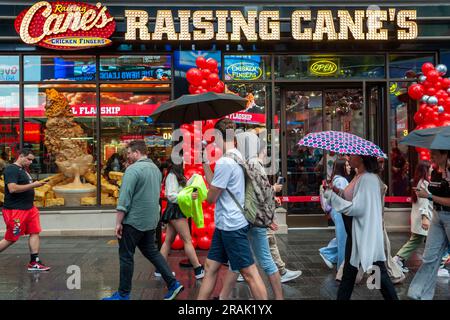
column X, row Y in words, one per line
column 291, row 278
column 200, row 276
column 41, row 270
column 175, row 293
column 327, row 262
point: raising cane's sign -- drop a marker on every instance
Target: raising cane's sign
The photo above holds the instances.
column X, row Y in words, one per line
column 65, row 25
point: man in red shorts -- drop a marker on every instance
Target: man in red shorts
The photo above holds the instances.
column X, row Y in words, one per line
column 20, row 215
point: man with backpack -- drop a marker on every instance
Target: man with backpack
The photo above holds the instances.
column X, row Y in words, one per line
column 259, row 212
column 230, row 242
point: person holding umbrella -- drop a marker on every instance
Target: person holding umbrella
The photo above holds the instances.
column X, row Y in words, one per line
column 362, row 200
column 423, row 285
column 362, row 204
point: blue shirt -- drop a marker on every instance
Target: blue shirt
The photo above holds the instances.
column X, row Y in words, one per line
column 229, row 175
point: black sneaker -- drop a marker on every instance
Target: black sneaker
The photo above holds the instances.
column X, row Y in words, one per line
column 199, row 272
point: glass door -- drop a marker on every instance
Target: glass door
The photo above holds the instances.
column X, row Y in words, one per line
column 313, row 110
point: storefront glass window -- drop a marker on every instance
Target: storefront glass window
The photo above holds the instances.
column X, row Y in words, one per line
column 146, row 68
column 304, row 165
column 328, row 67
column 247, row 67
column 125, row 109
column 60, row 129
column 403, row 66
column 62, row 68
column 9, row 68
column 258, row 101
column 400, row 156
column 9, row 129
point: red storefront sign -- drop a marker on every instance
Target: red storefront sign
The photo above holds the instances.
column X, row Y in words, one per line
column 65, row 25
column 112, row 110
column 32, row 131
column 255, row 118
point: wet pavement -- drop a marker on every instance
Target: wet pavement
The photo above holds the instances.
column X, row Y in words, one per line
column 97, row 258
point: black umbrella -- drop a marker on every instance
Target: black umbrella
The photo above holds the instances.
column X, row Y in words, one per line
column 193, row 107
column 434, row 138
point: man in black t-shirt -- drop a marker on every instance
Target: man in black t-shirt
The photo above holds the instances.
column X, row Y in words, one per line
column 20, row 215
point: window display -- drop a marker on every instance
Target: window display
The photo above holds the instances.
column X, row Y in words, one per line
column 129, row 122
column 65, row 146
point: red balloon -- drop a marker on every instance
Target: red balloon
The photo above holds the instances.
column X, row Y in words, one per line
column 438, row 85
column 433, row 76
column 445, row 83
column 441, row 94
column 204, row 243
column 423, row 107
column 206, row 73
column 198, row 232
column 216, row 70
column 177, row 244
column 431, row 91
column 418, row 118
column 219, row 87
column 426, row 67
column 211, row 64
column 210, row 229
column 200, row 62
column 204, row 83
column 192, row 89
column 194, row 76
column 416, row 91
column 213, row 79
column 427, row 84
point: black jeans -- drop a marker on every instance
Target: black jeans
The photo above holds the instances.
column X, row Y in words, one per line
column 350, row 272
column 145, row 241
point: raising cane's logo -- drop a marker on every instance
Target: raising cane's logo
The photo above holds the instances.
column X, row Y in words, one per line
column 65, row 25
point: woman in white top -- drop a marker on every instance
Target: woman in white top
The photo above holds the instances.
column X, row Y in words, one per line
column 421, row 214
column 334, row 252
column 365, row 244
column 175, row 220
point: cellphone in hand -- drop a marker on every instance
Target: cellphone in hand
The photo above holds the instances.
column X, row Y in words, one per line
column 281, row 180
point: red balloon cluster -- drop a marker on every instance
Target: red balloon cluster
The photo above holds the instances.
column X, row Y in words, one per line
column 201, row 237
column 433, row 91
column 205, row 77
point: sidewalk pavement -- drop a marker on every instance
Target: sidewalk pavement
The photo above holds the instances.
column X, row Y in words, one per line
column 98, row 260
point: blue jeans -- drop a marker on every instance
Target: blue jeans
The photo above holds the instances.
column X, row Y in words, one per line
column 260, row 248
column 335, row 250
column 423, row 285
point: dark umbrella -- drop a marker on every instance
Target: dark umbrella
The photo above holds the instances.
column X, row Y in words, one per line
column 204, row 106
column 434, row 138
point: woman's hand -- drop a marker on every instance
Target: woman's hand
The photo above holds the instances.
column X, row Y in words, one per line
column 273, row 226
column 277, row 187
column 425, row 223
column 195, row 195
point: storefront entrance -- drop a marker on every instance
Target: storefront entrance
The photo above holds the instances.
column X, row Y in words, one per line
column 354, row 107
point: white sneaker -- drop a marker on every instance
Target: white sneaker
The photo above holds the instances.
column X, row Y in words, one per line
column 157, row 274
column 327, row 262
column 442, row 272
column 290, row 275
column 400, row 263
column 240, row 278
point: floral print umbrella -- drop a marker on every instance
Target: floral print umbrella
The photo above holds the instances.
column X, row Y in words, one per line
column 341, row 142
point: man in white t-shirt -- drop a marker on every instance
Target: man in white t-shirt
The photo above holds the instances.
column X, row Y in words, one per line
column 230, row 242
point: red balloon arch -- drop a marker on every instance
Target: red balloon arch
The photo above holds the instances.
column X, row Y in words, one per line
column 204, row 78
column 433, row 91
